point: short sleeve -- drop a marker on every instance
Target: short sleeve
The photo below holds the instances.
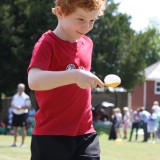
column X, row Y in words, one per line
column 41, row 56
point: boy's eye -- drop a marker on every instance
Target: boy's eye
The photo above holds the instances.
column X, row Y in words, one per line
column 92, row 20
column 80, row 19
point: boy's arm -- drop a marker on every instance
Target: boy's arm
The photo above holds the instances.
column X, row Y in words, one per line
column 39, row 79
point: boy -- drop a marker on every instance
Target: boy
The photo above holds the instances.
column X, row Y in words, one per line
column 59, row 72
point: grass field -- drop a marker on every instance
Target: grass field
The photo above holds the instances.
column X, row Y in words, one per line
column 109, row 149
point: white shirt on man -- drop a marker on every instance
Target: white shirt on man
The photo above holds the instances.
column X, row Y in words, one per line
column 20, row 101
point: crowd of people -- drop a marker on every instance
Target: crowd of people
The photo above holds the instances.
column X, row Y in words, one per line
column 21, row 115
column 148, row 122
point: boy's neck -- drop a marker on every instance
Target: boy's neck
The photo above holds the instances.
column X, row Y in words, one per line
column 62, row 36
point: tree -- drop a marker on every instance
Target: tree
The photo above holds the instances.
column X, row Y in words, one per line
column 153, row 53
column 21, row 24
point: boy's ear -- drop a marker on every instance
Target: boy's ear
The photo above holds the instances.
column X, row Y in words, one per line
column 58, row 11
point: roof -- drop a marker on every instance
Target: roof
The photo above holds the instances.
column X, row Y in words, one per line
column 153, row 72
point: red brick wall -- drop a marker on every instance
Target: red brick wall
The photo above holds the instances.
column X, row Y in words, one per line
column 137, row 96
column 151, row 96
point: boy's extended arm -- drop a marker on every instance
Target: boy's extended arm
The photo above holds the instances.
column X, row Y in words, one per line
column 45, row 80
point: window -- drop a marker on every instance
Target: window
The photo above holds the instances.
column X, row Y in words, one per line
column 157, row 87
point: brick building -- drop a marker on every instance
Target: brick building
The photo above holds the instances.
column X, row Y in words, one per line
column 149, row 91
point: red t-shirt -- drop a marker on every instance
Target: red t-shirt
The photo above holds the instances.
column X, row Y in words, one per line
column 64, row 110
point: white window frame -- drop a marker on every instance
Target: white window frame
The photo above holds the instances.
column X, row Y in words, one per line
column 157, row 87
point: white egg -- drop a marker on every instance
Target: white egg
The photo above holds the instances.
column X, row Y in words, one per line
column 112, row 80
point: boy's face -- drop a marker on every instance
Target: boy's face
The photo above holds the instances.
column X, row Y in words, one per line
column 74, row 25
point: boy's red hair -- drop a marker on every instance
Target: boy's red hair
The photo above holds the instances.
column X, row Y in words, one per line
column 69, row 6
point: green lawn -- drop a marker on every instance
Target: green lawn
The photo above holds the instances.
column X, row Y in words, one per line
column 128, row 150
column 109, row 149
column 11, row 153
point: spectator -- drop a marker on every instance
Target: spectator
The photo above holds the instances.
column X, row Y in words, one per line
column 9, row 129
column 152, row 126
column 126, row 121
column 112, row 134
column 144, row 115
column 156, row 110
column 116, row 124
column 21, row 104
column 156, row 107
column 135, row 120
column 158, row 128
column 10, row 116
column 119, row 122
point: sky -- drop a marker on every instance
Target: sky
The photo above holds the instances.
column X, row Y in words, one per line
column 141, row 11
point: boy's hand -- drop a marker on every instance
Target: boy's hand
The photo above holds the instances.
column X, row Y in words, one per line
column 86, row 79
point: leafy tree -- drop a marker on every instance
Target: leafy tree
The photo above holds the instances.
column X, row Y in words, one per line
column 153, row 53
column 21, row 24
